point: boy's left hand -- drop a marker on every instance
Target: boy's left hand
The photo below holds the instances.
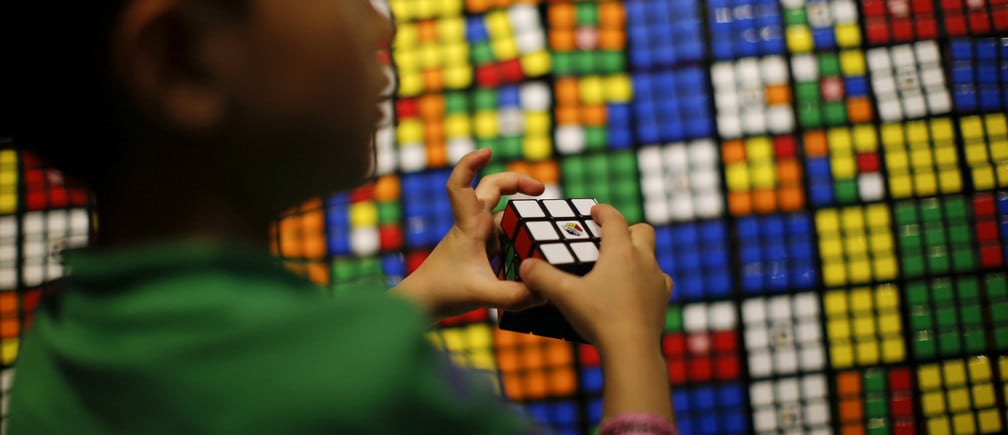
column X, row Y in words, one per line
column 457, row 276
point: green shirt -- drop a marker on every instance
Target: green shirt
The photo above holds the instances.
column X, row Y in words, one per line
column 195, row 338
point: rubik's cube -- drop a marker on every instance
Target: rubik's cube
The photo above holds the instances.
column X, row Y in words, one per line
column 745, row 28
column 974, row 17
column 587, row 38
column 593, row 112
column 514, row 121
column 671, row 106
column 752, row 97
column 508, row 45
column 985, row 140
column 888, row 21
column 960, row 396
column 978, row 77
column 821, row 24
column 844, row 165
column 921, row 158
column 877, row 400
column 562, row 233
column 863, row 326
column 611, row 177
column 908, row 81
column 657, row 40
column 832, row 88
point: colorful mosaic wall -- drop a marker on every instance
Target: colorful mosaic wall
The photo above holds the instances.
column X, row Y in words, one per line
column 828, row 180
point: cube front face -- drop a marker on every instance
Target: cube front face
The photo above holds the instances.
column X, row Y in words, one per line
column 558, row 231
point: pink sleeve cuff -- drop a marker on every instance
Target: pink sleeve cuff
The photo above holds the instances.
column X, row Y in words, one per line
column 637, row 424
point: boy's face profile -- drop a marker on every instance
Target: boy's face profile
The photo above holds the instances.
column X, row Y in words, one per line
column 288, row 88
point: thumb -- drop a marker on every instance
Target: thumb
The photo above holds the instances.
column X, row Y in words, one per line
column 511, row 295
column 553, row 283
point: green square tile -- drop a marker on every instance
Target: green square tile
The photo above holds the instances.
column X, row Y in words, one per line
column 611, row 62
column 625, row 164
column 846, row 191
column 795, row 17
column 949, row 343
column 955, row 209
column 971, row 314
column 596, row 138
column 999, row 313
column 967, row 288
column 920, row 318
column 485, row 99
column 808, row 92
column 938, row 260
column 934, row 234
column 912, row 264
column 1001, row 338
column 931, row 210
column 942, row 291
column 997, row 285
column 829, row 65
column 835, row 112
column 879, row 427
column 946, row 316
column 585, row 62
column 456, row 102
column 959, row 233
column 596, row 167
column 493, row 168
column 673, row 319
column 924, row 346
column 917, row 294
column 577, row 190
column 963, row 259
column 563, row 63
column 389, row 212
column 906, row 213
column 875, row 407
column 874, row 381
column 809, row 115
column 573, row 168
column 587, row 15
column 509, row 147
column 974, row 340
column 910, row 238
column 481, row 53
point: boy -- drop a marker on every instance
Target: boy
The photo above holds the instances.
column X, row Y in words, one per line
column 196, row 122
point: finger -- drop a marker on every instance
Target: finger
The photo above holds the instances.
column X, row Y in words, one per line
column 669, row 284
column 511, row 295
column 615, row 233
column 492, row 187
column 556, row 285
column 459, row 186
column 643, row 236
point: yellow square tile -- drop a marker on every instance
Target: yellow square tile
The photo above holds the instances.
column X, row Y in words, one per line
column 8, row 157
column 893, row 350
column 979, row 369
column 954, row 373
column 592, row 90
column 925, row 184
column 834, row 273
column 887, row 297
column 972, row 128
column 946, row 156
column 831, row 247
column 536, row 64
column 453, row 29
column 929, row 377
column 864, row 326
column 938, row 426
column 764, row 175
column 868, row 352
column 900, row 185
column 878, row 215
column 8, row 202
column 619, row 88
column 933, row 403
column 880, row 242
column 827, row 221
column 1002, row 173
column 921, row 158
column 950, row 180
column 8, row 350
column 976, row 153
column 431, row 56
column 942, row 130
column 865, row 138
column 984, row 178
column 457, row 126
column 958, row 399
column 998, row 149
column 856, row 244
column 838, row 329
column 799, row 39
column 984, row 396
column 835, row 303
column 458, row 76
column 861, row 300
column 859, row 269
column 537, row 123
column 848, row 35
column 892, row 135
column 537, row 147
column 498, row 24
column 885, row 267
column 842, row 355
column 917, row 133
column 1003, row 365
column 737, row 177
column 759, row 148
column 897, row 161
column 8, row 177
column 964, row 423
column 852, row 63
column 990, row 421
column 852, row 219
column 996, row 125
column 486, row 125
column 410, row 131
column 889, row 324
column 839, row 139
column 843, row 167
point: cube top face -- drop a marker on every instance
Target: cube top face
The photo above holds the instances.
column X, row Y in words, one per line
column 530, row 223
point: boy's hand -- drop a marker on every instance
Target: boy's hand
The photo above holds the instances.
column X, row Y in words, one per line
column 457, row 276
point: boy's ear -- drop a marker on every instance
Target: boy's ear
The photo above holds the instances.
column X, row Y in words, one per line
column 157, row 50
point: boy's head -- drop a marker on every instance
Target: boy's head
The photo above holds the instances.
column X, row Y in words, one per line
column 275, row 96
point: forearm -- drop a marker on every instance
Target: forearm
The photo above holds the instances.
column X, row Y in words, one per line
column 636, row 380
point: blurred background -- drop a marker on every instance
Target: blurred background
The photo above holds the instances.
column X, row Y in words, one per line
column 828, row 180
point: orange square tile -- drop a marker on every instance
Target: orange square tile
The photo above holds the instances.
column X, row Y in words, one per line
column 521, row 167
column 563, row 381
column 612, row 39
column 434, row 132
column 740, row 203
column 789, row 172
column 427, row 31
column 733, row 151
column 314, row 247
column 9, row 328
column 8, row 302
column 387, row 188
column 313, row 221
column 437, row 154
column 559, row 355
column 432, row 107
column 567, row 115
column 513, row 386
column 507, row 360
column 318, row 273
column 567, row 92
column 433, row 79
column 778, row 94
column 562, row 15
column 791, row 198
column 853, row 429
column 851, row 410
column 815, row 144
column 859, row 109
column 594, row 115
column 612, row 15
column 548, row 172
column 537, row 384
column 849, row 384
column 562, row 40
column 764, row 200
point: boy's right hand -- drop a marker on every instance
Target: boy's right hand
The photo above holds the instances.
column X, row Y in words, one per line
column 623, row 299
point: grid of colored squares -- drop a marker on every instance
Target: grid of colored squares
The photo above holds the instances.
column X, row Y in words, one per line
column 426, row 210
column 908, row 81
column 9, row 252
column 469, row 345
column 979, row 78
column 974, row 17
column 535, row 368
column 814, row 25
column 864, row 326
column 960, row 396
column 435, row 130
column 514, row 121
column 609, row 177
column 921, row 158
column 44, row 236
column 844, row 165
column 432, row 56
column 745, row 28
column 681, row 181
column 876, row 401
column 697, row 257
column 935, row 236
column 587, row 38
column 365, row 221
column 783, row 335
column 831, row 88
column 671, row 106
column 856, row 245
column 991, row 226
column 889, row 21
column 706, row 348
column 593, row 113
column 508, row 45
column 763, row 175
column 663, row 33
column 44, row 188
column 711, row 409
column 9, row 176
column 752, row 96
column 946, row 317
column 985, row 140
column 776, row 253
column 799, row 404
